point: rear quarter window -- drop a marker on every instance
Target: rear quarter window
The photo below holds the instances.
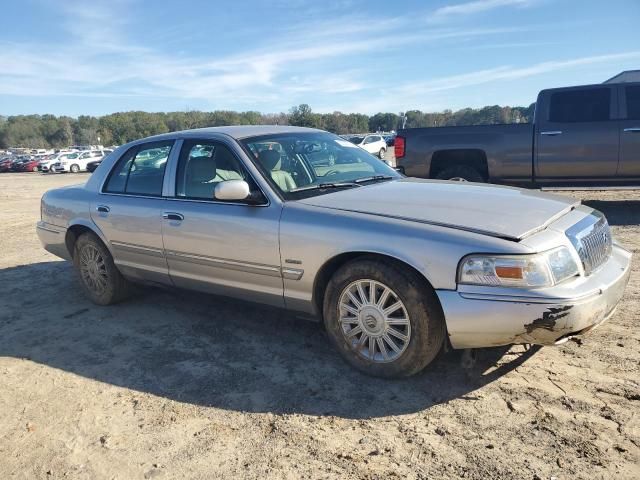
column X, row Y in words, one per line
column 140, row 171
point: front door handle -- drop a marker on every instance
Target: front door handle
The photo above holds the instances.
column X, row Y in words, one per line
column 632, row 130
column 103, row 209
column 551, row 133
column 178, row 217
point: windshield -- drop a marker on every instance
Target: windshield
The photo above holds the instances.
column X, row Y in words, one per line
column 312, row 163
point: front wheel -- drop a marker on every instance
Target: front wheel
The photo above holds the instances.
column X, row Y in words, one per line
column 381, row 153
column 74, row 168
column 101, row 280
column 384, row 320
column 34, row 169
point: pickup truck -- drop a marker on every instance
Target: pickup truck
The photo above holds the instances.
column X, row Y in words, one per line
column 587, row 135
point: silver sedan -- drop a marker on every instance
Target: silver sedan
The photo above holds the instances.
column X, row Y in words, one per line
column 304, row 220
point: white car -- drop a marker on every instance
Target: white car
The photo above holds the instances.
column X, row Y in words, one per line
column 77, row 161
column 46, row 164
column 373, row 143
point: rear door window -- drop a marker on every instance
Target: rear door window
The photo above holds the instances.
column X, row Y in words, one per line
column 572, row 106
column 633, row 102
column 140, row 171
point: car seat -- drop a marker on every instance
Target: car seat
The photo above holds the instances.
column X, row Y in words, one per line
column 271, row 160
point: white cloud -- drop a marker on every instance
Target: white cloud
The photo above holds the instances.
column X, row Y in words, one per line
column 478, row 6
column 96, row 56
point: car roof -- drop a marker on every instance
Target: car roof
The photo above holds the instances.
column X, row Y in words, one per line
column 235, row 131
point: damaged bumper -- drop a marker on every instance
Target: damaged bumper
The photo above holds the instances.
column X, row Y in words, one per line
column 479, row 317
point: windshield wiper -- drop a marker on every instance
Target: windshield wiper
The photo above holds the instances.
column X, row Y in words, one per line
column 374, row 178
column 324, row 186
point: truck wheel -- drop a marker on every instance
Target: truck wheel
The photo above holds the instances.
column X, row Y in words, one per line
column 460, row 173
column 384, row 320
column 101, row 280
column 381, row 153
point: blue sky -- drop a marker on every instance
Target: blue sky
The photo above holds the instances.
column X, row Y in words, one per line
column 95, row 57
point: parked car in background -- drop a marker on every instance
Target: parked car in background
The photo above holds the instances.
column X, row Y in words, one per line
column 372, row 143
column 5, row 164
column 389, row 139
column 28, row 165
column 91, row 166
column 77, row 161
column 394, row 266
column 580, row 135
column 16, row 164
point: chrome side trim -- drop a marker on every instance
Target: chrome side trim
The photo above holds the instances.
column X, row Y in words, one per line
column 269, row 270
column 292, row 273
column 131, row 247
column 49, row 228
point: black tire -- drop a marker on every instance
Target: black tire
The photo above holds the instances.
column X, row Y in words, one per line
column 74, row 168
column 464, row 172
column 422, row 305
column 381, row 153
column 116, row 287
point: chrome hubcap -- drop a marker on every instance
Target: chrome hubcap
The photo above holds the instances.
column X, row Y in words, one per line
column 374, row 320
column 93, row 269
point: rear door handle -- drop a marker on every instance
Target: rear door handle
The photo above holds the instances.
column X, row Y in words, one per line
column 551, row 133
column 103, row 209
column 178, row 217
column 632, row 130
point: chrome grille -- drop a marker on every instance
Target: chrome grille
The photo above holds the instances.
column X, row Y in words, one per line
column 591, row 237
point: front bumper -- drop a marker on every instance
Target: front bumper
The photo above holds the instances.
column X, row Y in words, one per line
column 479, row 317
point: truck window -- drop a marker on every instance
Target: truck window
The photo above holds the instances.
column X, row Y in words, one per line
column 572, row 106
column 633, row 102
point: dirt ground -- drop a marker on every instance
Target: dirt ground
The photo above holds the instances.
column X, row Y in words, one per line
column 173, row 384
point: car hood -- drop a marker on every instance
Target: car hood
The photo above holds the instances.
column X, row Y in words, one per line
column 498, row 211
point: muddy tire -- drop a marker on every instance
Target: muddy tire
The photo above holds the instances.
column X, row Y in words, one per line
column 100, row 279
column 462, row 173
column 375, row 299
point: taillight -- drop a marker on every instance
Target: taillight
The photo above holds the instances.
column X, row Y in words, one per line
column 398, row 147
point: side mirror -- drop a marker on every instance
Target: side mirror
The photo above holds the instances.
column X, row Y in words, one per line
column 232, row 190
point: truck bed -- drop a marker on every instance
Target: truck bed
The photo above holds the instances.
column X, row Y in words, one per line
column 507, row 150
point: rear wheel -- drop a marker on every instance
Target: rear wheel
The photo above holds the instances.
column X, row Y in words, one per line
column 34, row 169
column 384, row 320
column 101, row 280
column 74, row 168
column 460, row 173
column 381, row 153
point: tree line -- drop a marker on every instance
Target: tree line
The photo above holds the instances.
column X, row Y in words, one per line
column 50, row 131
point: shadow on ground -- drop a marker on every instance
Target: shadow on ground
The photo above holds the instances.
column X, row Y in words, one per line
column 211, row 351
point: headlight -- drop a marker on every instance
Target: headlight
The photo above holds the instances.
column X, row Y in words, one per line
column 538, row 270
